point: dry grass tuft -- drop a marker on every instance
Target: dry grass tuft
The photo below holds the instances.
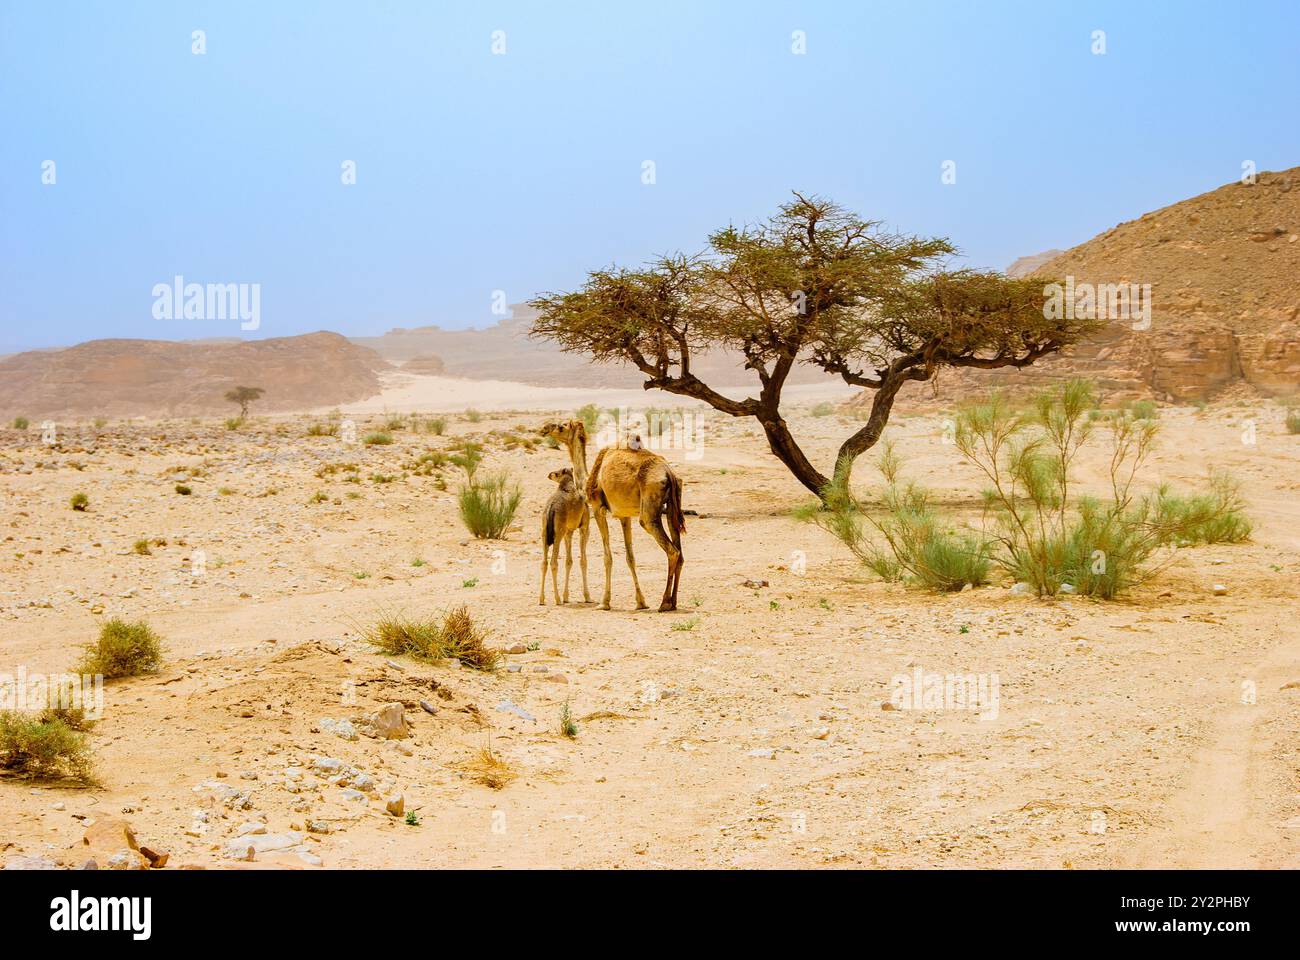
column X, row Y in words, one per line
column 456, row 636
column 487, row 768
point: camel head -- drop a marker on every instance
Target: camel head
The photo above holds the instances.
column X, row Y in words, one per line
column 563, row 432
column 563, row 477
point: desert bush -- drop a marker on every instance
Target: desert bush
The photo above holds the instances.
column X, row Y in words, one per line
column 473, row 416
column 1293, row 420
column 123, row 650
column 141, row 547
column 183, row 490
column 234, row 423
column 43, row 746
column 823, row 409
column 468, row 455
column 488, row 506
column 395, row 423
column 21, row 423
column 436, row 425
column 905, row 540
column 454, row 636
column 79, row 502
column 1217, row 516
column 589, row 414
column 1144, row 410
column 426, row 464
column 1047, row 537
column 323, row 430
column 377, row 439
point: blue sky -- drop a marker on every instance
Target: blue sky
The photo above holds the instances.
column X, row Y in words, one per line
column 518, row 172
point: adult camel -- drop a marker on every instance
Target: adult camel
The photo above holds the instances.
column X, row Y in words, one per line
column 630, row 484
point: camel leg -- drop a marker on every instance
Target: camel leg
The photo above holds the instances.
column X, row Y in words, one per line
column 584, row 533
column 541, row 597
column 602, row 523
column 568, row 562
column 631, row 561
column 652, row 523
column 555, row 571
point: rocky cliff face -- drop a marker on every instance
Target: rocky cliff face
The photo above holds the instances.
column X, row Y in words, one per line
column 1224, row 276
column 123, row 378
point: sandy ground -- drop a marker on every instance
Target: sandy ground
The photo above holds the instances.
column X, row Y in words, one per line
column 415, row 393
column 746, row 730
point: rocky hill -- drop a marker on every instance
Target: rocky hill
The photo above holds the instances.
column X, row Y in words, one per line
column 1224, row 275
column 123, row 378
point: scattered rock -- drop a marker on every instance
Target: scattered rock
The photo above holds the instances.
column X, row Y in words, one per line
column 396, row 805
column 340, row 728
column 387, row 723
column 507, row 706
column 30, row 863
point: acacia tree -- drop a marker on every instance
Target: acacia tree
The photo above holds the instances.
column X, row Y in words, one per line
column 244, row 396
column 813, row 284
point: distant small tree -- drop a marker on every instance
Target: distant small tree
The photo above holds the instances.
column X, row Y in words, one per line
column 244, row 396
column 813, row 284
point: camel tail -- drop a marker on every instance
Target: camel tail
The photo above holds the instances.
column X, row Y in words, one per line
column 676, row 519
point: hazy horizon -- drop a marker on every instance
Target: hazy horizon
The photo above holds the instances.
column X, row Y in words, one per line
column 485, row 176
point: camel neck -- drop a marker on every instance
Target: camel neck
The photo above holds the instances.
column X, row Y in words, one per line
column 578, row 455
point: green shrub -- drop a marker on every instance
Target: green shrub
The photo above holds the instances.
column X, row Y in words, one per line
column 123, row 650
column 468, row 456
column 377, row 439
column 1293, row 420
column 909, row 542
column 79, row 502
column 43, row 746
column 1144, row 410
column 323, row 430
column 234, row 423
column 590, row 416
column 436, row 425
column 823, row 409
column 473, row 416
column 21, row 423
column 487, row 507
column 1098, row 546
column 183, row 490
column 141, row 547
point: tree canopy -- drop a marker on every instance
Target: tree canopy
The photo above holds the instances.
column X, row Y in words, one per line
column 813, row 284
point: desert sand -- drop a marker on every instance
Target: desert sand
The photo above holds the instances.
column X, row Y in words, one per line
column 744, row 730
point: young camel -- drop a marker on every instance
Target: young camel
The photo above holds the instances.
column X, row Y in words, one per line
column 628, row 483
column 573, row 436
column 565, row 512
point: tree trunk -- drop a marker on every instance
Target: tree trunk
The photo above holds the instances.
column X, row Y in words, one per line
column 783, row 445
column 866, row 438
